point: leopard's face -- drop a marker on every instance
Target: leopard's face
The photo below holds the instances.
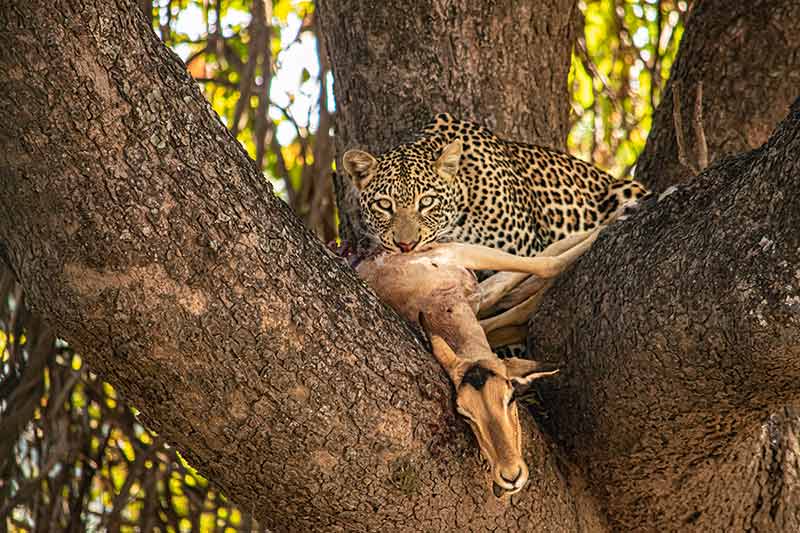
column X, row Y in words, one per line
column 409, row 198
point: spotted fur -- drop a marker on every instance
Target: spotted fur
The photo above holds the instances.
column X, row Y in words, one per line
column 458, row 181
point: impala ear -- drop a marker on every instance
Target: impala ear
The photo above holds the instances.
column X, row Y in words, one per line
column 523, row 372
column 451, row 363
column 359, row 165
column 448, row 163
column 448, row 359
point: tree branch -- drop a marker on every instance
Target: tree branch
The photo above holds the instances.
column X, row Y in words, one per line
column 699, row 129
column 741, row 106
column 677, row 119
column 682, row 333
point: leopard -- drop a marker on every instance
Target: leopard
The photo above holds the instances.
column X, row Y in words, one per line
column 457, row 181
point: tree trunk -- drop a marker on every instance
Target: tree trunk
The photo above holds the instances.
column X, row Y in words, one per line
column 745, row 56
column 142, row 232
column 746, row 91
column 680, row 332
column 504, row 64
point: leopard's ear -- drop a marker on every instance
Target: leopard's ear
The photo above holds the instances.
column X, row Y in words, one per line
column 448, row 163
column 359, row 165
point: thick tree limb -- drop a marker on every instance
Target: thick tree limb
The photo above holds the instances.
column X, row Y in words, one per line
column 682, row 332
column 749, row 89
column 744, row 55
column 156, row 248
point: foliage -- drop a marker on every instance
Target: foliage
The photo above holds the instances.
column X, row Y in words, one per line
column 260, row 67
column 619, row 66
column 74, row 457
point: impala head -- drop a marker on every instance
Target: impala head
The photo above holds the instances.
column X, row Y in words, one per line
column 486, row 390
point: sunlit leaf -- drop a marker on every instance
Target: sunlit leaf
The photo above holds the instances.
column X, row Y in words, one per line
column 616, row 96
column 118, row 474
column 281, row 10
column 78, row 398
column 126, row 448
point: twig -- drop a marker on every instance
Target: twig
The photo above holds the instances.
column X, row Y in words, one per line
column 257, row 30
column 88, row 470
column 320, row 216
column 655, row 67
column 288, row 115
column 589, row 65
column 263, row 124
column 135, row 473
column 678, row 123
column 283, row 171
column 24, row 491
column 697, row 126
column 699, row 130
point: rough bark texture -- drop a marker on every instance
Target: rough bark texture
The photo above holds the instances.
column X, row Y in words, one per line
column 143, row 233
column 499, row 63
column 680, row 332
column 745, row 55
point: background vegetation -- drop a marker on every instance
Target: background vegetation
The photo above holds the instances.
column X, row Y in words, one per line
column 72, row 454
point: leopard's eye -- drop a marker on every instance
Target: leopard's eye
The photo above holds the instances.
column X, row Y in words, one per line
column 426, row 201
column 383, row 204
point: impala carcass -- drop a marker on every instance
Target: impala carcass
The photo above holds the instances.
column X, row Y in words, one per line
column 436, row 286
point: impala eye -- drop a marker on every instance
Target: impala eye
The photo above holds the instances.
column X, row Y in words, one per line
column 426, row 201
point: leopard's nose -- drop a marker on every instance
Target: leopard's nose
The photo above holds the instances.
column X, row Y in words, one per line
column 406, row 246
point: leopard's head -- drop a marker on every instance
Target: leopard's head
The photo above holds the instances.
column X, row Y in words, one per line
column 409, row 196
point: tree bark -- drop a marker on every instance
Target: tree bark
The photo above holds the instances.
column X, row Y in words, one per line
column 680, row 332
column 746, row 91
column 745, row 56
column 498, row 63
column 142, row 232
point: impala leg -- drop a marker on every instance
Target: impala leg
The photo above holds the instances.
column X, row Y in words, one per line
column 559, row 255
column 516, row 315
column 530, row 286
column 496, row 287
column 507, row 336
column 567, row 243
column 581, row 243
column 477, row 257
column 531, row 292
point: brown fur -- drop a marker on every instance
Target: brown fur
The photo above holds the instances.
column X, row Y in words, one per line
column 436, row 282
